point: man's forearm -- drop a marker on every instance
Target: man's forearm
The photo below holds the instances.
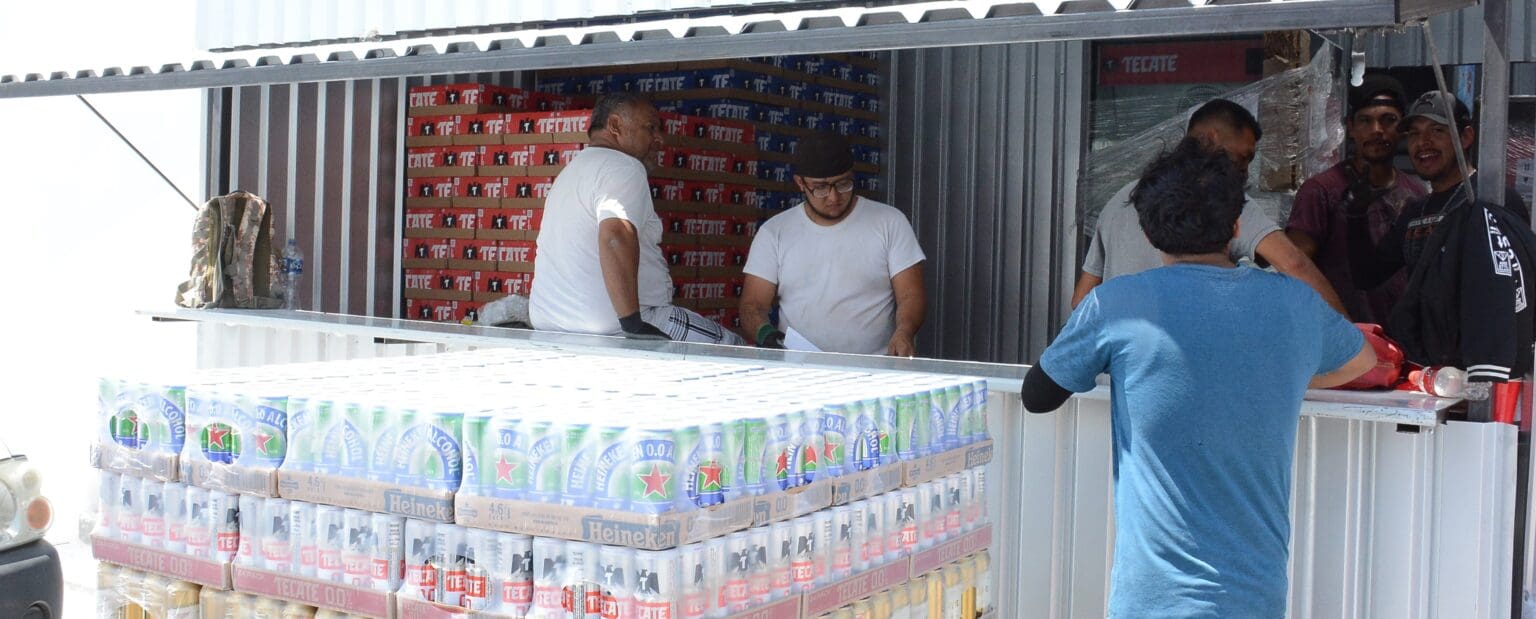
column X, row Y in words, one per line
column 910, row 312
column 753, row 317
column 1309, row 275
column 620, row 258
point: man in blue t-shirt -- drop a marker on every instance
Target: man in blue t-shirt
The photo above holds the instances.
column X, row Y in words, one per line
column 1208, row 365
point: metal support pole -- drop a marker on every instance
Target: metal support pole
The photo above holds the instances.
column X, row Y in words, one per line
column 1493, row 129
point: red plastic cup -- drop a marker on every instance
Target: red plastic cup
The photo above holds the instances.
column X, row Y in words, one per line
column 1506, row 396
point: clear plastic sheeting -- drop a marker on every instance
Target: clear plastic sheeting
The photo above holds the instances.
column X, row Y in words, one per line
column 1520, row 150
column 1309, row 99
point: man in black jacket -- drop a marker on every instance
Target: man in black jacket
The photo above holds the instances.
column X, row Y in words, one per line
column 1467, row 303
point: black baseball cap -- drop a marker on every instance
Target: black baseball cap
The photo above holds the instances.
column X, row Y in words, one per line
column 1377, row 89
column 823, row 155
column 1433, row 105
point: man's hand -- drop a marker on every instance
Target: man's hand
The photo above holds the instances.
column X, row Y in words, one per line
column 901, row 345
column 636, row 329
column 769, row 336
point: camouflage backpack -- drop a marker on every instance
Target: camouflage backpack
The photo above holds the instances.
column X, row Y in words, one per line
column 234, row 260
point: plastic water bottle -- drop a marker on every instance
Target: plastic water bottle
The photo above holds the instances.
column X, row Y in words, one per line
column 1440, row 380
column 293, row 274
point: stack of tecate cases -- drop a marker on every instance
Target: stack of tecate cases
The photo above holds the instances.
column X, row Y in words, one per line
column 585, row 486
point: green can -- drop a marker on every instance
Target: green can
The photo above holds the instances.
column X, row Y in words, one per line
column 327, row 454
column 755, row 443
column 687, row 441
column 301, row 434
column 911, row 425
column 576, row 453
column 359, row 438
column 384, row 421
column 476, row 429
column 610, row 467
column 545, row 470
column 653, row 466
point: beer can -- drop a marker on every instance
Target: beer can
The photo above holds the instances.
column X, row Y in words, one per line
column 200, row 523
column 781, row 555
column 657, row 590
column 705, row 473
column 953, row 505
column 616, row 571
column 858, row 538
column 826, row 545
column 967, row 430
column 295, row 610
column 979, row 430
column 803, row 563
column 783, row 454
column 862, row 608
column 979, row 493
column 386, row 552
column 696, row 589
column 576, row 453
column 130, row 509
column 716, row 576
column 152, row 518
column 549, row 580
column 969, row 513
column 935, row 514
column 428, row 454
column 420, row 560
column 545, row 468
column 174, row 496
column 901, row 602
column 505, row 465
column 984, row 580
column 653, row 471
column 449, row 540
column 324, row 435
column 383, row 436
column 478, row 455
column 873, row 553
column 954, row 412
column 911, row 426
column 888, row 425
column 929, row 424
column 331, row 534
column 733, row 462
column 738, row 572
column 515, row 573
column 865, row 438
column 811, row 446
column 302, row 443
column 108, row 500
column 954, row 590
column 480, row 553
column 585, row 586
column 277, row 535
column 754, row 473
column 759, row 575
column 906, row 524
column 249, row 532
column 354, row 434
column 304, row 543
column 265, row 421
column 610, row 467
column 880, row 604
column 835, row 428
column 686, row 441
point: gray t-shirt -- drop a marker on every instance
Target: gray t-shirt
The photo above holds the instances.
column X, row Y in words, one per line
column 1120, row 248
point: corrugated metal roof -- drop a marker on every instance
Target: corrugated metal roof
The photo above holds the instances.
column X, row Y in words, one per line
column 898, row 25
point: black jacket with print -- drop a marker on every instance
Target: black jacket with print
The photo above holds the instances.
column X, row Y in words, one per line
column 1467, row 303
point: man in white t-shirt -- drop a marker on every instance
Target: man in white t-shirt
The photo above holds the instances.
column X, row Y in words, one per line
column 847, row 271
column 599, row 267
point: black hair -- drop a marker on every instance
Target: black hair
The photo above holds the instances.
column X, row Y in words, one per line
column 610, row 104
column 1229, row 114
column 1188, row 199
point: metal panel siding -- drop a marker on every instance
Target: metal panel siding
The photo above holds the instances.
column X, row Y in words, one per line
column 984, row 159
column 1458, row 39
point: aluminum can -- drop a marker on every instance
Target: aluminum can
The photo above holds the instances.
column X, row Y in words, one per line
column 657, row 590
column 888, row 425
column 760, row 576
column 357, row 547
column 479, row 566
column 175, row 501
column 610, row 467
column 152, row 516
column 301, row 521
column 803, row 562
column 837, row 422
column 479, row 455
column 826, row 545
column 248, row 531
column 383, row 436
column 577, row 458
column 653, row 472
column 754, row 472
column 782, row 455
column 616, row 572
column 331, row 534
column 716, row 572
column 907, row 520
column 386, row 552
column 734, row 460
column 953, row 504
column 549, row 580
column 738, row 571
column 545, row 468
column 130, row 509
column 873, row 552
column 420, row 561
column 449, row 541
column 696, row 591
column 781, row 554
column 200, row 519
column 505, row 464
column 864, row 439
column 277, row 535
column 515, row 573
column 706, row 472
column 108, row 501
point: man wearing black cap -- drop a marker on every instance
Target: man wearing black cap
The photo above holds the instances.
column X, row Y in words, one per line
column 846, row 270
column 1317, row 225
column 1467, row 303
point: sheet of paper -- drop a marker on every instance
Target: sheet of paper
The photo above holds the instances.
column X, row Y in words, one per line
column 794, row 341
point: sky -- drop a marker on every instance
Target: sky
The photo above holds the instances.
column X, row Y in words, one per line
column 93, row 234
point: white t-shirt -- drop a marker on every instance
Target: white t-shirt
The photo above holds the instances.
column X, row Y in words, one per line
column 835, row 281
column 568, row 292
column 1119, row 247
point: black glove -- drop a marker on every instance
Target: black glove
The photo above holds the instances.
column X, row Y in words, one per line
column 769, row 336
column 1360, row 194
column 636, row 329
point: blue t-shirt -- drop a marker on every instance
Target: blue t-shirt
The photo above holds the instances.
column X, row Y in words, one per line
column 1208, row 368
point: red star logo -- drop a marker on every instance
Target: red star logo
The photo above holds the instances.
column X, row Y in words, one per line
column 831, row 446
column 783, row 463
column 711, row 473
column 216, row 436
column 504, row 469
column 655, row 482
column 810, row 456
column 262, row 440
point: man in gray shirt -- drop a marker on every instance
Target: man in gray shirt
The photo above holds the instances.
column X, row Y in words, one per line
column 1121, row 248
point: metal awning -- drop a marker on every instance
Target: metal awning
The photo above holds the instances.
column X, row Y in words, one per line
column 769, row 29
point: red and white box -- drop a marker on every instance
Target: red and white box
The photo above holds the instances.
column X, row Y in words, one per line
column 516, row 256
column 479, row 128
column 507, row 159
column 668, row 190
column 506, row 283
column 711, row 162
column 548, row 127
column 429, row 131
column 426, row 253
column 707, row 193
column 722, row 130
column 474, row 254
column 528, row 191
column 546, row 102
column 510, row 224
column 443, row 223
column 742, row 195
column 707, row 224
column 554, row 156
column 480, row 191
column 466, row 98
column 428, row 161
column 427, row 309
column 706, row 289
column 438, row 284
column 466, row 311
column 463, row 157
column 677, row 124
column 429, row 191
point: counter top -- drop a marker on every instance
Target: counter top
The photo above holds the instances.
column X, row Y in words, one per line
column 1400, row 407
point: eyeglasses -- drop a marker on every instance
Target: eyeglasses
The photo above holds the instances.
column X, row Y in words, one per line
column 822, row 191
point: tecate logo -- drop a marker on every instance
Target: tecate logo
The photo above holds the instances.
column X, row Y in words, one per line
column 421, row 160
column 564, row 124
column 423, row 99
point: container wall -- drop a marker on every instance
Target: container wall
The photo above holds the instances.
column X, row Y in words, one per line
column 984, row 151
column 1458, row 39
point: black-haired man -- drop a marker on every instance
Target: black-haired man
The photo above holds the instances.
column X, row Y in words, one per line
column 1209, row 363
column 846, row 270
column 1467, row 302
column 599, row 268
column 1119, row 247
column 1317, row 225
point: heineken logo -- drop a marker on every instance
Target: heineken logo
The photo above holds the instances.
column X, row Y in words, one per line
column 127, row 430
column 504, row 469
column 655, row 483
column 219, row 442
column 709, row 477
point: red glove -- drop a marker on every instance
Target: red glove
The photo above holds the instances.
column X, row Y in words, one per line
column 1389, row 360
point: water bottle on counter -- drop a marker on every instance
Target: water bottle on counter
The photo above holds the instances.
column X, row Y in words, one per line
column 293, row 274
column 1440, row 380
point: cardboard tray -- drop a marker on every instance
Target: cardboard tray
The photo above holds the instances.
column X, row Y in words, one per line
column 849, row 590
column 926, row 561
column 638, row 530
column 296, row 588
column 929, row 468
column 864, row 484
column 412, row 608
column 787, row 608
column 156, row 465
column 230, row 478
column 205, row 572
column 373, row 496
